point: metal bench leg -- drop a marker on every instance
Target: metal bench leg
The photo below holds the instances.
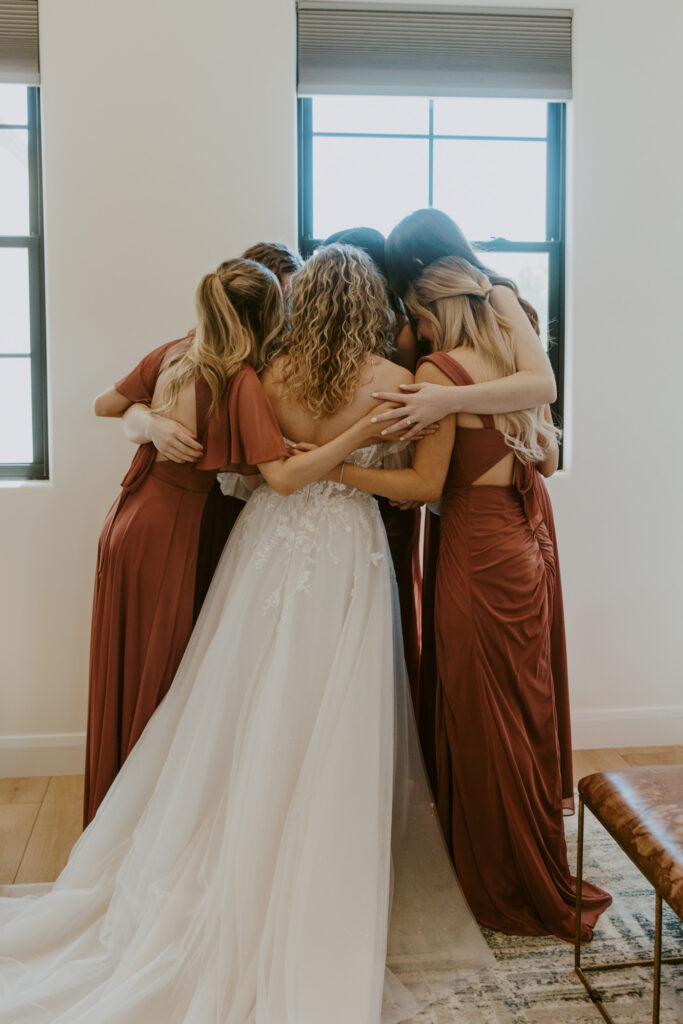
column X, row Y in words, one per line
column 579, row 886
column 580, row 971
column 658, row 959
column 595, row 997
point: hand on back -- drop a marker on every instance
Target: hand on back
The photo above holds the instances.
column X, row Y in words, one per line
column 173, row 440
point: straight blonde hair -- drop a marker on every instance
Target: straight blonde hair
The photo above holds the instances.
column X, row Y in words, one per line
column 240, row 310
column 453, row 296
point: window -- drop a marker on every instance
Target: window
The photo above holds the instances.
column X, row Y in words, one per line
column 496, row 166
column 23, row 420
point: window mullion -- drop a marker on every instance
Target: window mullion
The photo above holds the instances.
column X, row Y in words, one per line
column 431, row 153
column 36, row 292
column 305, row 124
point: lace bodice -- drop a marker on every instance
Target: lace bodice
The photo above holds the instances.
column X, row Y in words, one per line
column 316, row 522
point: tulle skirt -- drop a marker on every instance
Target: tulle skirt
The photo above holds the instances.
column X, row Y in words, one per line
column 270, row 845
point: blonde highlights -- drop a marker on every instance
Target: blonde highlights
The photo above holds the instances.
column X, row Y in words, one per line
column 240, row 310
column 340, row 315
column 453, row 296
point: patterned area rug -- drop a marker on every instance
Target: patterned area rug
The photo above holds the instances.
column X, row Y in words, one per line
column 535, row 981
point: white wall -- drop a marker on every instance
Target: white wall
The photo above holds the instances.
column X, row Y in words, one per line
column 169, row 144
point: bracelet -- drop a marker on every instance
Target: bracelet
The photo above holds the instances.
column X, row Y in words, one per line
column 341, row 475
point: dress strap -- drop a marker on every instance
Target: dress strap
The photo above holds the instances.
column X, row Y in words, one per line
column 460, row 377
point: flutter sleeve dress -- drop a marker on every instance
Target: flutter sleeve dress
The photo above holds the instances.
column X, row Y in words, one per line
column 147, row 561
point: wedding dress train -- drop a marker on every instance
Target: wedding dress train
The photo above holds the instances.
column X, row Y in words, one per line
column 270, row 843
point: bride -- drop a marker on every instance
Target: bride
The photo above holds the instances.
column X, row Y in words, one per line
column 269, row 846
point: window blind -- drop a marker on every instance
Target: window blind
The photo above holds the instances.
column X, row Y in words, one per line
column 415, row 49
column 19, row 42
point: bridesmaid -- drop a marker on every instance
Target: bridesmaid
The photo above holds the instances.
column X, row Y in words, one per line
column 221, row 510
column 177, row 443
column 147, row 556
column 419, row 239
column 500, row 787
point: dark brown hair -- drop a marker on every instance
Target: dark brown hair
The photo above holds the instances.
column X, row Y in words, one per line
column 276, row 256
column 428, row 235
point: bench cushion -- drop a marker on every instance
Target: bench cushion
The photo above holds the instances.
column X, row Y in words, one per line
column 642, row 808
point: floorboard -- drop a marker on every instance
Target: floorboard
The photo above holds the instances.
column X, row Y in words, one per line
column 16, row 822
column 57, row 828
column 23, row 791
column 40, row 819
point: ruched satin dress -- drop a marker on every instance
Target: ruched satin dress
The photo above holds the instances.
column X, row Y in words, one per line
column 147, row 562
column 502, row 732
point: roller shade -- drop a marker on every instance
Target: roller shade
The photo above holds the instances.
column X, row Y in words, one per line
column 19, row 42
column 430, row 50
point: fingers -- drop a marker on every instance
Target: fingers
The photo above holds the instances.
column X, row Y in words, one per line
column 177, row 452
column 398, row 429
column 390, row 414
column 413, row 433
column 184, row 437
column 190, row 454
column 389, row 396
column 426, row 432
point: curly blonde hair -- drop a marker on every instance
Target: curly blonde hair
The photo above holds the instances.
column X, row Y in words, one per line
column 340, row 315
column 453, row 296
column 240, row 309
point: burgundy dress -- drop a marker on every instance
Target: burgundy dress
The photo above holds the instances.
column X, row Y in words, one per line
column 403, row 534
column 502, row 738
column 147, row 560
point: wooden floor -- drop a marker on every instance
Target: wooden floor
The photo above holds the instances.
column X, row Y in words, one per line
column 40, row 819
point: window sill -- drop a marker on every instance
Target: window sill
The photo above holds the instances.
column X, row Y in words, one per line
column 9, row 484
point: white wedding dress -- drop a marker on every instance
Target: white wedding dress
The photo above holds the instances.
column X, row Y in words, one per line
column 269, row 845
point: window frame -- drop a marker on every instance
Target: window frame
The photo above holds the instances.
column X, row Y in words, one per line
column 38, row 469
column 553, row 244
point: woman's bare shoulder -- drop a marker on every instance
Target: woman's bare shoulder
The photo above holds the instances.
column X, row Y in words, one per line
column 387, row 376
column 504, row 300
column 272, row 376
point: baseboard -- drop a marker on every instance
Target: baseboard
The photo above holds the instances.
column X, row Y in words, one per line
column 64, row 753
column 627, row 727
column 46, row 754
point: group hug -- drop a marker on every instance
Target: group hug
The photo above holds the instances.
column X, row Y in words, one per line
column 328, row 720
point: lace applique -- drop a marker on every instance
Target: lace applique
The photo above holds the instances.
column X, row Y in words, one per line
column 308, row 523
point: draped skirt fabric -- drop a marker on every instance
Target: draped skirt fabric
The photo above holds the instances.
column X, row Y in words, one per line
column 269, row 844
column 142, row 613
column 498, row 750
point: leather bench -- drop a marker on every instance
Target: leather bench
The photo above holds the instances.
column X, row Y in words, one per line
column 642, row 809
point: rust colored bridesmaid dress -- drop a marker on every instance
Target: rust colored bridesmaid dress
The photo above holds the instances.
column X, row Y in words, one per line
column 147, row 562
column 502, row 744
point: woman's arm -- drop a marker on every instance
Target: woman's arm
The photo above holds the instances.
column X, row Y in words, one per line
column 111, row 403
column 424, row 481
column 171, row 439
column 532, row 385
column 287, row 475
column 141, row 425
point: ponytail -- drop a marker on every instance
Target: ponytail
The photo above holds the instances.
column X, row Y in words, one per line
column 239, row 312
